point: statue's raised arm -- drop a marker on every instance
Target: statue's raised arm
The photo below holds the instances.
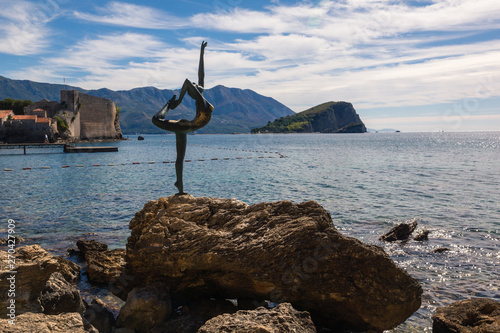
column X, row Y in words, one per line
column 201, row 67
column 182, row 127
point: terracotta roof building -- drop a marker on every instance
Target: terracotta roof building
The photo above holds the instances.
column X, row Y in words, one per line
column 24, row 117
column 42, row 120
column 27, row 120
column 4, row 115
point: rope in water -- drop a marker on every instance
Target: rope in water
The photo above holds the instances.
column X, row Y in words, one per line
column 148, row 162
column 245, row 150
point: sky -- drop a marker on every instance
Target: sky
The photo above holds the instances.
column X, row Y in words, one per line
column 420, row 65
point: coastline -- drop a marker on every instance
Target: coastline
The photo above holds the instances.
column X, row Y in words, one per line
column 366, row 186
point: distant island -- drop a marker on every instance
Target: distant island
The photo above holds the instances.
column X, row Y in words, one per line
column 330, row 117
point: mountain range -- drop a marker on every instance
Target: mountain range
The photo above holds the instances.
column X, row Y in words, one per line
column 236, row 110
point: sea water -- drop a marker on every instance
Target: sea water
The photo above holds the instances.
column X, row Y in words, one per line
column 448, row 182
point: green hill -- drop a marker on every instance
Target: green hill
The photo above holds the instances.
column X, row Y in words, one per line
column 330, row 117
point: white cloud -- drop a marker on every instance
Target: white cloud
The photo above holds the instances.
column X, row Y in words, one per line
column 372, row 53
column 24, row 26
column 130, row 15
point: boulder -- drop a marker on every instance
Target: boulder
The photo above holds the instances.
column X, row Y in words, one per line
column 477, row 315
column 281, row 251
column 281, row 319
column 40, row 322
column 99, row 316
column 60, row 296
column 87, row 245
column 34, row 267
column 105, row 266
column 423, row 236
column 400, row 232
column 440, row 250
column 145, row 308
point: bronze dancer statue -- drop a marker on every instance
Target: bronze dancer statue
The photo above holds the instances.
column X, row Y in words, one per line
column 182, row 127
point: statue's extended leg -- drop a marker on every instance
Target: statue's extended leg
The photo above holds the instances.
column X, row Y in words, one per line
column 181, row 142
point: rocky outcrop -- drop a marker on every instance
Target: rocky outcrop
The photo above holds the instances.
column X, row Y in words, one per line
column 400, row 232
column 281, row 319
column 281, row 251
column 337, row 117
column 34, row 268
column 103, row 265
column 39, row 322
column 478, row 315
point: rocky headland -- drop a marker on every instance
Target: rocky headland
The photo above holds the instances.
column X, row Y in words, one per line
column 330, row 117
column 220, row 265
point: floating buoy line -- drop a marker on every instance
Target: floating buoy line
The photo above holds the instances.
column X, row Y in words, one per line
column 245, row 150
column 95, row 165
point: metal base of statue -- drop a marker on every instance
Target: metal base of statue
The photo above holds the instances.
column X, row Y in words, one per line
column 182, row 127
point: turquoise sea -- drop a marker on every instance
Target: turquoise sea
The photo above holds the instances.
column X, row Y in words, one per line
column 449, row 182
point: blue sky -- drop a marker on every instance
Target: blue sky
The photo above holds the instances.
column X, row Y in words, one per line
column 409, row 65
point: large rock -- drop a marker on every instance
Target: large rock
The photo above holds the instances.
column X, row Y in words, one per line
column 281, row 319
column 39, row 322
column 60, row 296
column 34, row 267
column 281, row 251
column 99, row 316
column 145, row 308
column 478, row 315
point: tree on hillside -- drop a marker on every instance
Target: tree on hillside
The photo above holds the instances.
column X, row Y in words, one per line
column 15, row 105
column 6, row 104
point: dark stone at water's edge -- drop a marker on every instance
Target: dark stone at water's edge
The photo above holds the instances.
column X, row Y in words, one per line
column 423, row 236
column 400, row 232
column 281, row 251
column 103, row 265
column 477, row 315
column 99, row 317
column 85, row 246
column 441, row 250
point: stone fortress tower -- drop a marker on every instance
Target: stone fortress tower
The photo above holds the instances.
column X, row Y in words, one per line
column 81, row 116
